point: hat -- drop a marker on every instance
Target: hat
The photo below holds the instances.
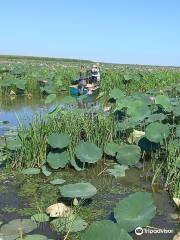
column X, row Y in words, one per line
column 94, row 66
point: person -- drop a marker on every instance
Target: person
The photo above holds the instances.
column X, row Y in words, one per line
column 95, row 74
column 82, row 79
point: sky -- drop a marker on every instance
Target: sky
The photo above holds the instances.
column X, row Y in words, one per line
column 127, row 32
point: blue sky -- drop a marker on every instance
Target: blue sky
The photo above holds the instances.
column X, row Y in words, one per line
column 129, row 31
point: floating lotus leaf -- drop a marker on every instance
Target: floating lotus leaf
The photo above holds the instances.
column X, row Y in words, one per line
column 156, row 117
column 58, row 160
column 50, row 98
column 111, row 148
column 11, row 230
column 14, row 144
column 135, row 210
column 34, row 237
column 105, row 230
column 178, row 131
column 78, row 190
column 128, row 154
column 49, row 89
column 118, row 170
column 57, row 181
column 156, row 132
column 138, row 109
column 40, row 217
column 71, row 224
column 45, row 171
column 31, row 171
column 88, row 152
column 59, row 140
column 163, row 100
column 116, row 93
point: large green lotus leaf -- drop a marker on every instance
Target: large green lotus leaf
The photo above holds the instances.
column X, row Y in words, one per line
column 118, row 170
column 49, row 89
column 20, row 84
column 57, row 181
column 116, row 93
column 156, row 117
column 128, row 154
column 127, row 124
column 156, row 132
column 59, row 140
column 105, row 230
column 11, row 230
column 136, row 210
column 176, row 110
column 40, row 217
column 88, row 152
column 50, row 98
column 34, row 237
column 31, row 171
column 58, row 160
column 123, row 103
column 163, row 100
column 80, row 190
column 71, row 224
column 138, row 109
column 111, row 148
column 14, row 144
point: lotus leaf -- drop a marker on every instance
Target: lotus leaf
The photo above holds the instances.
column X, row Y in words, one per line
column 57, row 181
column 156, row 132
column 11, row 230
column 117, row 170
column 57, row 140
column 88, row 152
column 14, row 144
column 31, row 171
column 116, row 93
column 128, row 154
column 138, row 109
column 163, row 100
column 58, row 160
column 156, row 117
column 78, row 190
column 105, row 230
column 135, row 210
column 71, row 224
column 111, row 148
column 40, row 217
column 50, row 98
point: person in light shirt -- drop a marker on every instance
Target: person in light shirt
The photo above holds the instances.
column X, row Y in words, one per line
column 95, row 74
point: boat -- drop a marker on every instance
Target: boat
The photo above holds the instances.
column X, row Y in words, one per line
column 88, row 90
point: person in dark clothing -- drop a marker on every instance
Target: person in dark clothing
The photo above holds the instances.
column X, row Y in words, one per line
column 82, row 79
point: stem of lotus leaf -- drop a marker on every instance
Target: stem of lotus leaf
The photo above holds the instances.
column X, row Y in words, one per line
column 102, row 171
